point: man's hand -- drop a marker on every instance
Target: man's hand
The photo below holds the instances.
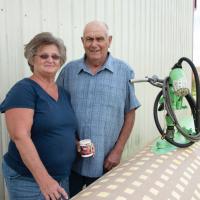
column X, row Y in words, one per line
column 112, row 160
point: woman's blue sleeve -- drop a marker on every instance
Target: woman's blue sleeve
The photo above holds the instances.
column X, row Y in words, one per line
column 21, row 95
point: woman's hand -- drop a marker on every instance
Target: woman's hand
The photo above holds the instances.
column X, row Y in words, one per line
column 52, row 190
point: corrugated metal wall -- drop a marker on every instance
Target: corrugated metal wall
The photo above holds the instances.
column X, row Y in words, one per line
column 151, row 35
column 196, row 48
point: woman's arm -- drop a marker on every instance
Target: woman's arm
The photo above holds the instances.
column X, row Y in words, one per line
column 19, row 122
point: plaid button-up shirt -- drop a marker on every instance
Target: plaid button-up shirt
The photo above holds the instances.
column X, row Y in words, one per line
column 100, row 102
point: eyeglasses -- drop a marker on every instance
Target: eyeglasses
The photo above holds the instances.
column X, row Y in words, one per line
column 46, row 56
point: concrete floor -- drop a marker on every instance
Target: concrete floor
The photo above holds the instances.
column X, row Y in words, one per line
column 149, row 176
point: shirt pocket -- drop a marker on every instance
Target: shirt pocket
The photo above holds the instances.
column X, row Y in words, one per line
column 110, row 95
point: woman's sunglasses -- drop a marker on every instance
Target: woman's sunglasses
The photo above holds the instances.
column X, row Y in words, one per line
column 46, row 56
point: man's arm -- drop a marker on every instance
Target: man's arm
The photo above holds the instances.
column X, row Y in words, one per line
column 113, row 158
column 60, row 78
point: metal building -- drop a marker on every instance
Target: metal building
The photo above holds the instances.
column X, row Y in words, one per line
column 151, row 35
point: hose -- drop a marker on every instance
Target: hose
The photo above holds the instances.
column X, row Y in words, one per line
column 195, row 105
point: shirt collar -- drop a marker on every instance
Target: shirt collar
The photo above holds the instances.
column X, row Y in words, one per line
column 107, row 65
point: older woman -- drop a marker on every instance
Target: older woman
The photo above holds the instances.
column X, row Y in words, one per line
column 41, row 125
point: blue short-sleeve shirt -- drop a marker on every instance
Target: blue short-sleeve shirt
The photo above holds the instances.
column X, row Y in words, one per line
column 100, row 102
column 53, row 131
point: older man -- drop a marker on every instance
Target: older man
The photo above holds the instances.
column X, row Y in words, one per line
column 104, row 103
